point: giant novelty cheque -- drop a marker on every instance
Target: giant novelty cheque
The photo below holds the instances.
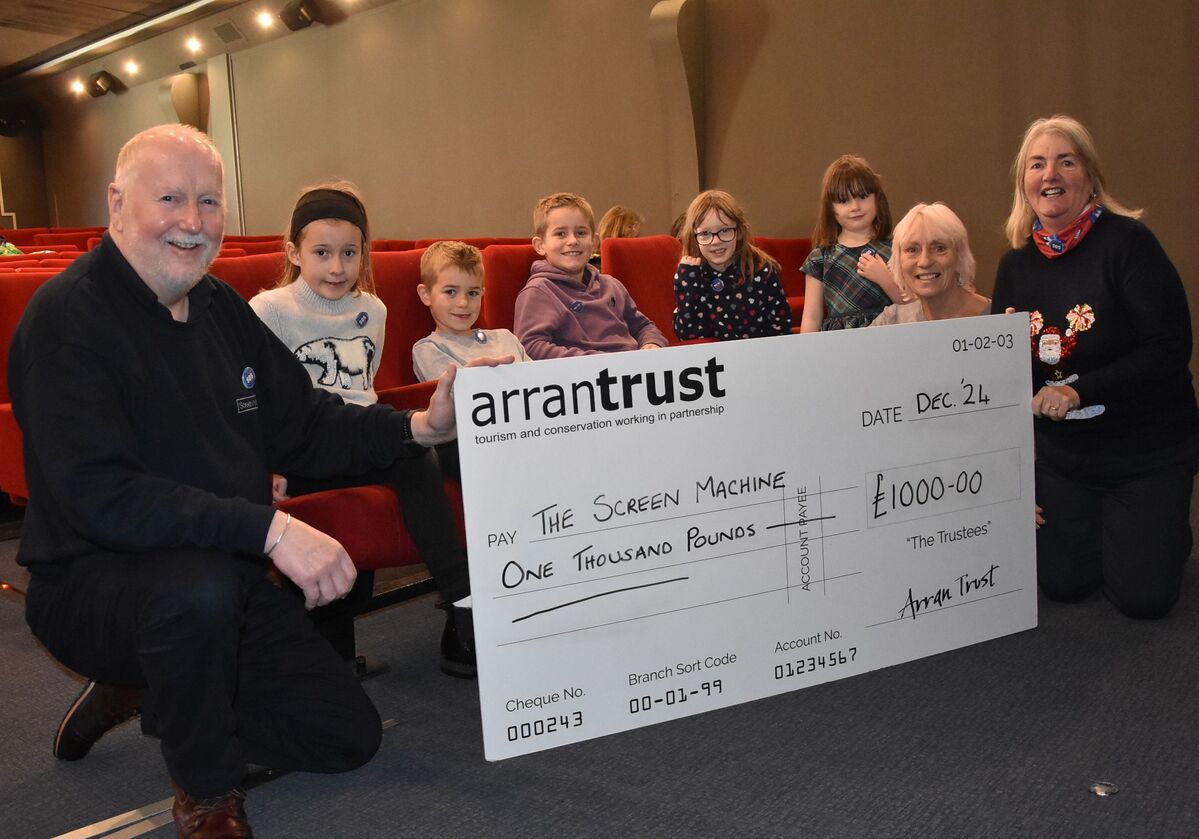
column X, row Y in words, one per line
column 656, row 534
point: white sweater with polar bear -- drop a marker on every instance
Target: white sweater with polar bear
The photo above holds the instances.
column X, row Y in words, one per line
column 339, row 341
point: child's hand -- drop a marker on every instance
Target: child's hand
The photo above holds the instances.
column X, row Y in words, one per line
column 435, row 424
column 279, row 489
column 690, row 260
column 650, row 347
column 874, row 268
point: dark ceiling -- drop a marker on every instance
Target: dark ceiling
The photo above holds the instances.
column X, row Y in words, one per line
column 33, row 32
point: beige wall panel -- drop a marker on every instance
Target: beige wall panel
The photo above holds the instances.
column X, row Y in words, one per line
column 456, row 116
column 82, row 139
column 23, row 177
column 936, row 95
column 222, row 131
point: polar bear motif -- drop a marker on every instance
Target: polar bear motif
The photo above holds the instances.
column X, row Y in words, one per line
column 340, row 359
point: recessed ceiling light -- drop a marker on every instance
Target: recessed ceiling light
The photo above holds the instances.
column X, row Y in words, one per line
column 193, row 45
column 265, row 19
column 77, row 86
column 131, row 67
column 124, row 33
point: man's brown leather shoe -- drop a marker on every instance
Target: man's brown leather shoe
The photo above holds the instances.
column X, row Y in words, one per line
column 223, row 817
column 98, row 709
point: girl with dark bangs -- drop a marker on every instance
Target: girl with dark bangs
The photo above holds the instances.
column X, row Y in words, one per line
column 849, row 283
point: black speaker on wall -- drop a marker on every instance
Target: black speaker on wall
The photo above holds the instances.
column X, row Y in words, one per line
column 102, row 82
column 300, row 13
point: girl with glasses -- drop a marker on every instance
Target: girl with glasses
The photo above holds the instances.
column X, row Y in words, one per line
column 725, row 287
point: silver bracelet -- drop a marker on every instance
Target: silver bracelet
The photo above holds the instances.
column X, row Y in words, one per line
column 286, row 525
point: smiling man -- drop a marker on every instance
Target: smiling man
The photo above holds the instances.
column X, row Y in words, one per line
column 155, row 407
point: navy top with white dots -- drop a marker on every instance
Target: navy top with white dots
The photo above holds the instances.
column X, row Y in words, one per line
column 711, row 304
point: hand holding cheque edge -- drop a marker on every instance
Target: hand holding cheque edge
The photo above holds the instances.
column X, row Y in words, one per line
column 435, row 424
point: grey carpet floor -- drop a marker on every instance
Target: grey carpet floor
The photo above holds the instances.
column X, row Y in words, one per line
column 997, row 740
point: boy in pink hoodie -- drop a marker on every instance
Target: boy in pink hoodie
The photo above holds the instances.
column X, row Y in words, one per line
column 568, row 307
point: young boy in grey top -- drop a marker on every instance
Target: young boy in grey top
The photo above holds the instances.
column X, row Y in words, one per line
column 451, row 285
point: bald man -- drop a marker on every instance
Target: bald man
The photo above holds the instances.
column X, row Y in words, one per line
column 155, row 407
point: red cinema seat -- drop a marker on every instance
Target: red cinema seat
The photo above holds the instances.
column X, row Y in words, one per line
column 249, row 274
column 78, row 240
column 34, row 250
column 479, row 242
column 368, row 522
column 790, row 254
column 12, row 466
column 22, row 236
column 15, row 291
column 505, row 270
column 397, row 274
column 385, row 245
column 232, row 238
column 272, row 246
column 646, row 265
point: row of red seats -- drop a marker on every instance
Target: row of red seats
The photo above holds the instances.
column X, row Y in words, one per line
column 646, row 266
column 86, row 238
column 24, row 237
column 367, row 520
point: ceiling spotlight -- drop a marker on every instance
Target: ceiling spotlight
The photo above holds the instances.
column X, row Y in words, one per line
column 265, row 19
column 131, row 67
column 193, row 45
column 77, row 86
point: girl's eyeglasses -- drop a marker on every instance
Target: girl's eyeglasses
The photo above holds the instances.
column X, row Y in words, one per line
column 724, row 234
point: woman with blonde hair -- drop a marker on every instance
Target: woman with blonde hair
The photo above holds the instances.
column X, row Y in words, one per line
column 930, row 256
column 1117, row 430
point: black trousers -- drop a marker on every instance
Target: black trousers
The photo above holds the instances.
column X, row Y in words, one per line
column 234, row 670
column 1129, row 535
column 418, row 485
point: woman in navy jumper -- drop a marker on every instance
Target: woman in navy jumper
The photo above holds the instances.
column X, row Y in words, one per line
column 1110, row 344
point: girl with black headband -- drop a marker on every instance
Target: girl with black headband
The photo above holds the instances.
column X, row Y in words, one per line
column 325, row 310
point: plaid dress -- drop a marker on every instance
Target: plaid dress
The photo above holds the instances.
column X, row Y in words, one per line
column 850, row 300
